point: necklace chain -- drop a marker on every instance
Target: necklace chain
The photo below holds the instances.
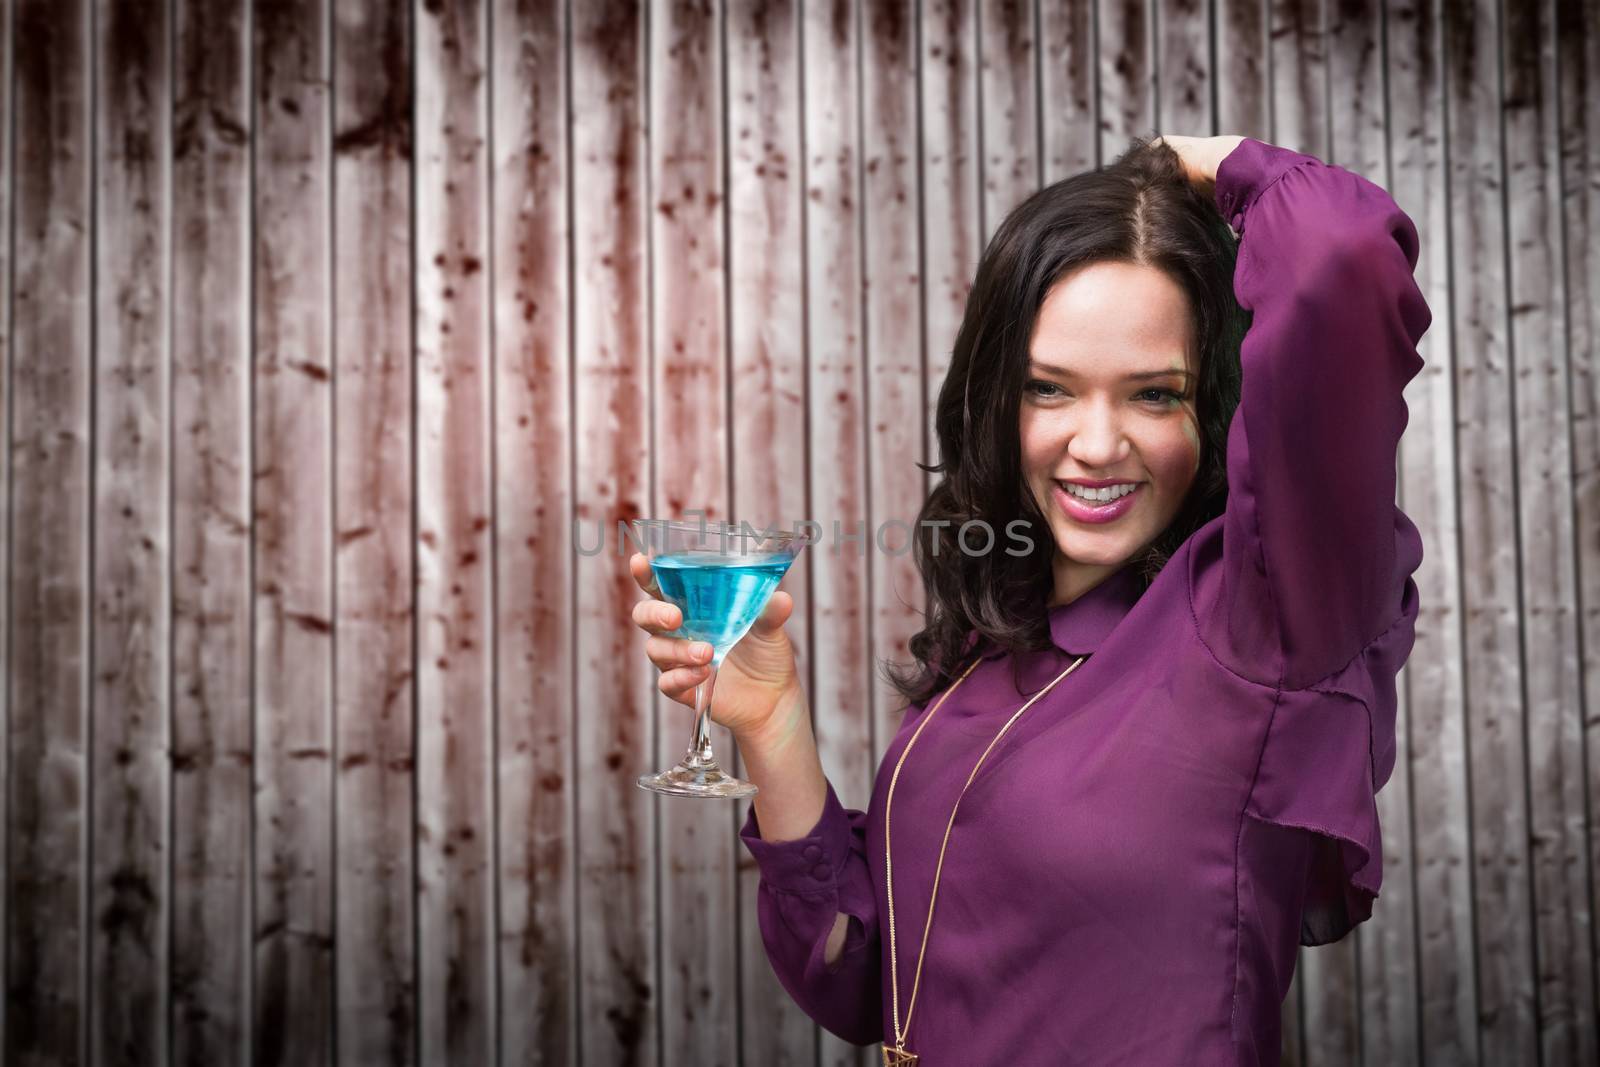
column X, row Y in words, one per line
column 899, row 1052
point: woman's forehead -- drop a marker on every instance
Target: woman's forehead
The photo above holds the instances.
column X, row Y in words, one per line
column 1113, row 319
column 1116, row 292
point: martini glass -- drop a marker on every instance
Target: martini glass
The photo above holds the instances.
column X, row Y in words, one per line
column 720, row 576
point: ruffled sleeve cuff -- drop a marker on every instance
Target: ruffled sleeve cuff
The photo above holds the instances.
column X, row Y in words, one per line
column 1329, row 750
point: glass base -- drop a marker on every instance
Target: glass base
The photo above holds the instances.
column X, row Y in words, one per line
column 707, row 781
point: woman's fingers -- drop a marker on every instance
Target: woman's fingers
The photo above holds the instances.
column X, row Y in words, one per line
column 1201, row 156
column 653, row 615
column 683, row 664
column 639, row 566
column 669, row 652
column 657, row 616
column 679, row 683
column 776, row 613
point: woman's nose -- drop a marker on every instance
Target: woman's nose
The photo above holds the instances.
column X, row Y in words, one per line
column 1097, row 440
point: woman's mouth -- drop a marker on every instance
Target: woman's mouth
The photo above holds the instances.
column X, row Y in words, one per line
column 1094, row 511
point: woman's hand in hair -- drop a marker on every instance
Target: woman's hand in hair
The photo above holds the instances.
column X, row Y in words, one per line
column 1201, row 156
column 757, row 686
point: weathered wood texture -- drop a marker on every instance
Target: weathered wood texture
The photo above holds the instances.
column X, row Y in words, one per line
column 699, row 1000
column 530, row 176
column 615, row 830
column 456, row 647
column 837, row 411
column 291, row 526
column 375, row 952
column 767, row 354
column 130, row 626
column 7, row 247
column 50, row 509
column 337, row 337
column 212, row 701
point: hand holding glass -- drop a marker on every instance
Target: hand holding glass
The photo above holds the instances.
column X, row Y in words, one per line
column 720, row 577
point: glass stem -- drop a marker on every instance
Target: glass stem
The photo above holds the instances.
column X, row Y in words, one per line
column 700, row 745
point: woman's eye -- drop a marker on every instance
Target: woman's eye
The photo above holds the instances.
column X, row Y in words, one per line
column 1050, row 391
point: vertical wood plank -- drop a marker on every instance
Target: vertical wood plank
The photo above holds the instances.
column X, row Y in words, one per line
column 455, row 565
column 1298, row 63
column 952, row 189
column 1435, row 674
column 129, row 667
column 533, row 500
column 1009, row 92
column 375, row 951
column 836, row 398
column 1386, row 952
column 1125, row 41
column 7, row 171
column 1244, row 104
column 1244, row 100
column 1357, row 130
column 1507, row 1030
column 767, row 354
column 1068, row 88
column 618, row 999
column 50, row 512
column 1332, row 975
column 1565, row 996
column 1372, row 994
column 699, row 931
column 891, row 216
column 1578, row 68
column 212, row 743
column 1383, row 1002
column 292, row 468
column 1183, row 60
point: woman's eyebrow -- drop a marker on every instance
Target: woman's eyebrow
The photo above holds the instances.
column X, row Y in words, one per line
column 1137, row 376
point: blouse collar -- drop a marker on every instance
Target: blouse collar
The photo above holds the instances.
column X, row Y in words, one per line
column 1080, row 627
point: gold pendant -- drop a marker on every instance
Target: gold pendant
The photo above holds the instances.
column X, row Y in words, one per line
column 897, row 1056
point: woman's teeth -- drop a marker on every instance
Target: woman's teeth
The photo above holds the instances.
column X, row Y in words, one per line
column 1099, row 496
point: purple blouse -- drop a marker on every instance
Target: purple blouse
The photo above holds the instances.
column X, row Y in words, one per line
column 1135, row 864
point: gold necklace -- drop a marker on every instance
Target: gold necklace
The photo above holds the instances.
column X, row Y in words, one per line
column 900, row 1054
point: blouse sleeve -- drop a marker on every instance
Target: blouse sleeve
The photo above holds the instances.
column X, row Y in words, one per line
column 1314, row 551
column 805, row 884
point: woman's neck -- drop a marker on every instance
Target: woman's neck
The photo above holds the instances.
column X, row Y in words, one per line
column 1073, row 579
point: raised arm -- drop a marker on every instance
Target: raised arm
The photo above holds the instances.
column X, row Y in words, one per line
column 1314, row 553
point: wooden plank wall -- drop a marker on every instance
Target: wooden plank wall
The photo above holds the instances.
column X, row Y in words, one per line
column 336, row 335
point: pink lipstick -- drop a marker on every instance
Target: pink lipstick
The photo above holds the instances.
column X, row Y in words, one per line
column 1084, row 511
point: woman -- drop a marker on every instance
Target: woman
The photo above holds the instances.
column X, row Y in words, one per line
column 1175, row 711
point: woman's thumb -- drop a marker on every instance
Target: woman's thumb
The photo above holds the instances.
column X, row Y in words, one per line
column 777, row 612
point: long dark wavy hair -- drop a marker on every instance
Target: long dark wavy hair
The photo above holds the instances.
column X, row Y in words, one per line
column 1141, row 209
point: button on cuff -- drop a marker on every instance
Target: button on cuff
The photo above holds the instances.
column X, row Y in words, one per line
column 808, row 864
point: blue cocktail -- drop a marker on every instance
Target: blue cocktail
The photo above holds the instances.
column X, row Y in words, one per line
column 719, row 596
column 720, row 577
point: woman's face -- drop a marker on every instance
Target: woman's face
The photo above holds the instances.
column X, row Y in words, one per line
column 1110, row 395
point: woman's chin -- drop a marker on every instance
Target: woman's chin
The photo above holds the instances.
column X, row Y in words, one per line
column 1094, row 551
